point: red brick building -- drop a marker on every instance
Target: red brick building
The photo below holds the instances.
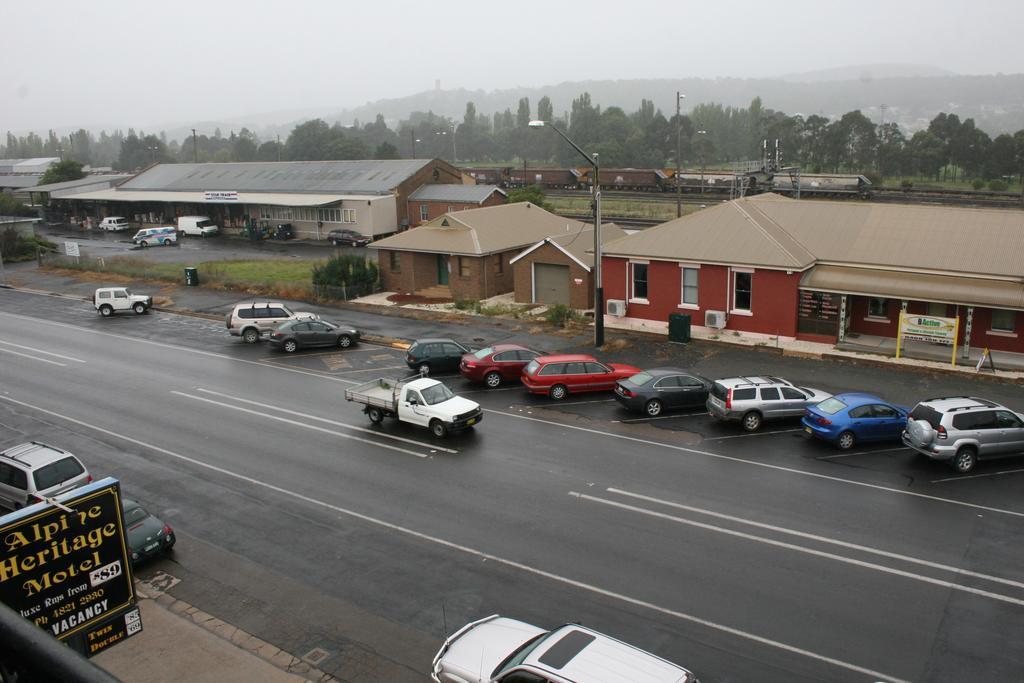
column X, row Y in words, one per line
column 465, row 254
column 430, row 201
column 825, row 271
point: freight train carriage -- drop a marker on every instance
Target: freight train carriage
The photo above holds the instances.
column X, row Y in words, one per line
column 822, row 185
column 547, row 178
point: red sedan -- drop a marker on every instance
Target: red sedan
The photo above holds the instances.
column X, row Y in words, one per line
column 558, row 376
column 496, row 364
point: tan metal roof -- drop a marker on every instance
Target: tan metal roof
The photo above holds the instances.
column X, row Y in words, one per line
column 893, row 284
column 776, row 232
column 487, row 230
column 578, row 244
column 270, row 198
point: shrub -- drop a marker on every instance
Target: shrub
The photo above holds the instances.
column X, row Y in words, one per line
column 561, row 314
column 998, row 185
column 467, row 304
column 9, row 206
column 354, row 275
column 977, row 183
column 15, row 248
column 907, row 184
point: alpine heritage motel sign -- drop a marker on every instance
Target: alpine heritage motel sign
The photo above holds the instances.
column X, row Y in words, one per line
column 64, row 566
column 928, row 328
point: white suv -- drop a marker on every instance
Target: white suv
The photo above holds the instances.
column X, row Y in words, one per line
column 109, row 300
column 254, row 319
column 33, row 470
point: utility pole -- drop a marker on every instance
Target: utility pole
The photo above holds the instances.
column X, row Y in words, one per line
column 679, row 146
column 195, row 147
column 279, row 147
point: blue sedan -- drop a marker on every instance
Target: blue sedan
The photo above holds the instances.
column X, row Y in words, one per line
column 846, row 419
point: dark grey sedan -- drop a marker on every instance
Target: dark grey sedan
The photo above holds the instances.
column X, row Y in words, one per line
column 147, row 535
column 653, row 391
column 300, row 334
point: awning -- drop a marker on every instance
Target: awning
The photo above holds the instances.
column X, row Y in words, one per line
column 268, row 198
column 890, row 284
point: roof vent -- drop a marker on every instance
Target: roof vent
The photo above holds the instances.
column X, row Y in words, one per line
column 444, row 223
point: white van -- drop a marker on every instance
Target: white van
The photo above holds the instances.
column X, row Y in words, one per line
column 167, row 236
column 196, row 225
column 114, row 223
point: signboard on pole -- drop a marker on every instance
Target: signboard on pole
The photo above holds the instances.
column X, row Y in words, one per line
column 65, row 566
column 71, row 248
column 928, row 328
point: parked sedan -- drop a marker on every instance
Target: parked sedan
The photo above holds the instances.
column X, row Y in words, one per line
column 147, row 535
column 435, row 355
column 658, row 389
column 348, row 238
column 846, row 419
column 300, row 334
column 558, row 376
column 496, row 364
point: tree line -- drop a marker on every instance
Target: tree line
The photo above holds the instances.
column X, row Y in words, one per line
column 711, row 134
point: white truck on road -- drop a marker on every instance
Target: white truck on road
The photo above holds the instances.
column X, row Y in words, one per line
column 421, row 401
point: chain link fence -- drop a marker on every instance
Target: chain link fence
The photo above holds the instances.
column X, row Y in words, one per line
column 345, row 292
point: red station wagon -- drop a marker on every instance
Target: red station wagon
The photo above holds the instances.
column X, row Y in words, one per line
column 558, row 376
column 496, row 364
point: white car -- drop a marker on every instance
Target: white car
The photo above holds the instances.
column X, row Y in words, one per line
column 498, row 649
column 110, row 300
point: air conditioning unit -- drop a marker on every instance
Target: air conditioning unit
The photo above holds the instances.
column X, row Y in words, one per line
column 715, row 319
column 616, row 307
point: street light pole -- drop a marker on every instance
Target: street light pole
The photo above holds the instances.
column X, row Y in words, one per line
column 702, row 152
column 679, row 134
column 595, row 190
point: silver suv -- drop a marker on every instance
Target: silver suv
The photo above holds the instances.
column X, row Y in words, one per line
column 33, row 470
column 254, row 319
column 963, row 429
column 752, row 400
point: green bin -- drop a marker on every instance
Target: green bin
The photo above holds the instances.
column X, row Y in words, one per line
column 192, row 279
column 679, row 327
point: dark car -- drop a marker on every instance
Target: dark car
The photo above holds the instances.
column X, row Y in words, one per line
column 653, row 391
column 559, row 375
column 147, row 535
column 435, row 355
column 846, row 419
column 348, row 238
column 496, row 364
column 300, row 334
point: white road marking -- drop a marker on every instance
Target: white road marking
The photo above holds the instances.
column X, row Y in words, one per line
column 778, row 468
column 41, row 360
column 821, row 539
column 376, row 369
column 847, row 455
column 183, row 349
column 557, row 404
column 949, row 585
column 299, row 424
column 45, row 353
column 743, row 436
column 660, row 417
column 962, row 477
column 483, row 555
column 332, row 422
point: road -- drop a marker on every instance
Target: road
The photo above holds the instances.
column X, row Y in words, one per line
column 742, row 557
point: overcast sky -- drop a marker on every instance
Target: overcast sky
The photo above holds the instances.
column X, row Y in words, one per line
column 152, row 65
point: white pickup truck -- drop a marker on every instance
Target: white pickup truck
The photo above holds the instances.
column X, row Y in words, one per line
column 422, row 401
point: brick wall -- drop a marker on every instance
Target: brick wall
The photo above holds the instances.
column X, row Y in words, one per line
column 581, row 296
column 446, row 174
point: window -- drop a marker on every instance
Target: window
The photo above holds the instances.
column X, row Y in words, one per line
column 348, row 215
column 501, row 263
column 1007, row 420
column 449, row 209
column 770, row 394
column 937, row 310
column 57, row 473
column 1003, row 321
column 639, row 281
column 882, row 411
column 395, row 262
column 685, row 381
column 743, row 394
column 424, row 212
column 690, row 286
column 120, row 294
column 667, row 382
column 860, row 412
column 104, row 295
column 505, row 357
column 878, row 308
column 792, row 394
column 742, row 290
column 553, row 369
column 596, row 369
column 574, row 369
column 463, row 266
column 301, row 327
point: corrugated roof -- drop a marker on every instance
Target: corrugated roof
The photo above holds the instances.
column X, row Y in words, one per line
column 776, row 232
column 271, row 198
column 578, row 244
column 894, row 284
column 19, row 181
column 87, row 180
column 487, row 230
column 324, row 177
column 464, row 194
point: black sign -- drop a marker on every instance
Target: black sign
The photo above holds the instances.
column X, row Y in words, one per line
column 819, row 306
column 112, row 631
column 68, row 571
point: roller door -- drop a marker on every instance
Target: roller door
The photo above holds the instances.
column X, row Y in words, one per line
column 550, row 283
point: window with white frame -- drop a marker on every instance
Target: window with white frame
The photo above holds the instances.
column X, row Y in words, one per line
column 348, row 216
column 1004, row 321
column 424, row 212
column 689, row 279
column 639, row 278
column 877, row 307
column 742, row 290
